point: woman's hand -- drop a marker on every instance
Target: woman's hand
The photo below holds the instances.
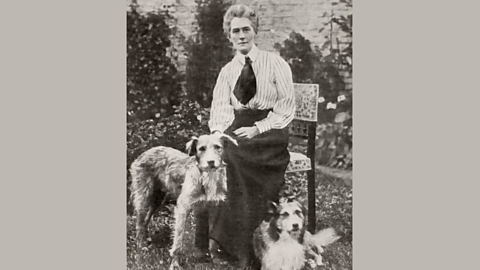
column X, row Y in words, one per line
column 247, row 132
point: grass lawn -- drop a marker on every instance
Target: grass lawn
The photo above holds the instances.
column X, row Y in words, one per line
column 334, row 209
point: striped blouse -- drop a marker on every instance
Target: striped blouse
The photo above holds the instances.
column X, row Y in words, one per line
column 274, row 91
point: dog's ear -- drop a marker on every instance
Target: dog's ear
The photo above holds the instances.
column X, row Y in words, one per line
column 272, row 207
column 273, row 230
column 192, row 146
column 226, row 139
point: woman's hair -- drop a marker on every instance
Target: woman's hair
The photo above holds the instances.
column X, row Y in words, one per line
column 239, row 11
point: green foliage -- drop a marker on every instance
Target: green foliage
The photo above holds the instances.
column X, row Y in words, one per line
column 152, row 80
column 208, row 52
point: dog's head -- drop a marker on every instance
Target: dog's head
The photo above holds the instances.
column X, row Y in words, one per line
column 288, row 216
column 209, row 149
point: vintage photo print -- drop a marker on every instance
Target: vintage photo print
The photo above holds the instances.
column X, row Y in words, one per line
column 239, row 134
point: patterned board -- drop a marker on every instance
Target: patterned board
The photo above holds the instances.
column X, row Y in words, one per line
column 306, row 99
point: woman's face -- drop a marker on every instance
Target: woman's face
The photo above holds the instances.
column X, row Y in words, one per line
column 242, row 34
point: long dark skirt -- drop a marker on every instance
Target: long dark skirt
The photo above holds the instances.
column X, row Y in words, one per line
column 255, row 174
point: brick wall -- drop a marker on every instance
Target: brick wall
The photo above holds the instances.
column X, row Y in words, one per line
column 278, row 18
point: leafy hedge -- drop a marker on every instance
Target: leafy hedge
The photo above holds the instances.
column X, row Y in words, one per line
column 154, row 92
column 153, row 84
column 159, row 113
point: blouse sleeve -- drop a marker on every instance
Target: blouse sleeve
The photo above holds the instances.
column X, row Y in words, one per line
column 284, row 108
column 221, row 112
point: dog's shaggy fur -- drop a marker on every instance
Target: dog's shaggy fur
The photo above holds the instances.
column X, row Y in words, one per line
column 163, row 172
column 283, row 243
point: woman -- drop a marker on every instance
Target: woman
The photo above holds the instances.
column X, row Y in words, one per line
column 253, row 101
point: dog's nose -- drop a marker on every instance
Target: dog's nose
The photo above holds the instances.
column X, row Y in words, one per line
column 295, row 226
column 211, row 163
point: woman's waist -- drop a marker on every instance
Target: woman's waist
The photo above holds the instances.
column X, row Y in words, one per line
column 252, row 112
column 247, row 117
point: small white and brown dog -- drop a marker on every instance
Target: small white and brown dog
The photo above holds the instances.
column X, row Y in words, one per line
column 283, row 243
column 192, row 178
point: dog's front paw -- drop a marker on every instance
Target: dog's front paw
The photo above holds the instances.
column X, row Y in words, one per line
column 311, row 264
column 319, row 261
column 314, row 262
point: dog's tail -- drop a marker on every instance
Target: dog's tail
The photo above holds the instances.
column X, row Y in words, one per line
column 325, row 237
column 317, row 242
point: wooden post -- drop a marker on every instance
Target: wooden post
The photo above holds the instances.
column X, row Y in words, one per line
column 311, row 177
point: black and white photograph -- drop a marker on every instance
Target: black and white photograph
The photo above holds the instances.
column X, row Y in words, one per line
column 239, row 134
column 218, row 134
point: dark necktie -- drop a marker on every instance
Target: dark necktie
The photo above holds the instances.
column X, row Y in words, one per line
column 246, row 86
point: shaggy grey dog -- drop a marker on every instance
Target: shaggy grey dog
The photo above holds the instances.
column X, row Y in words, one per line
column 192, row 178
